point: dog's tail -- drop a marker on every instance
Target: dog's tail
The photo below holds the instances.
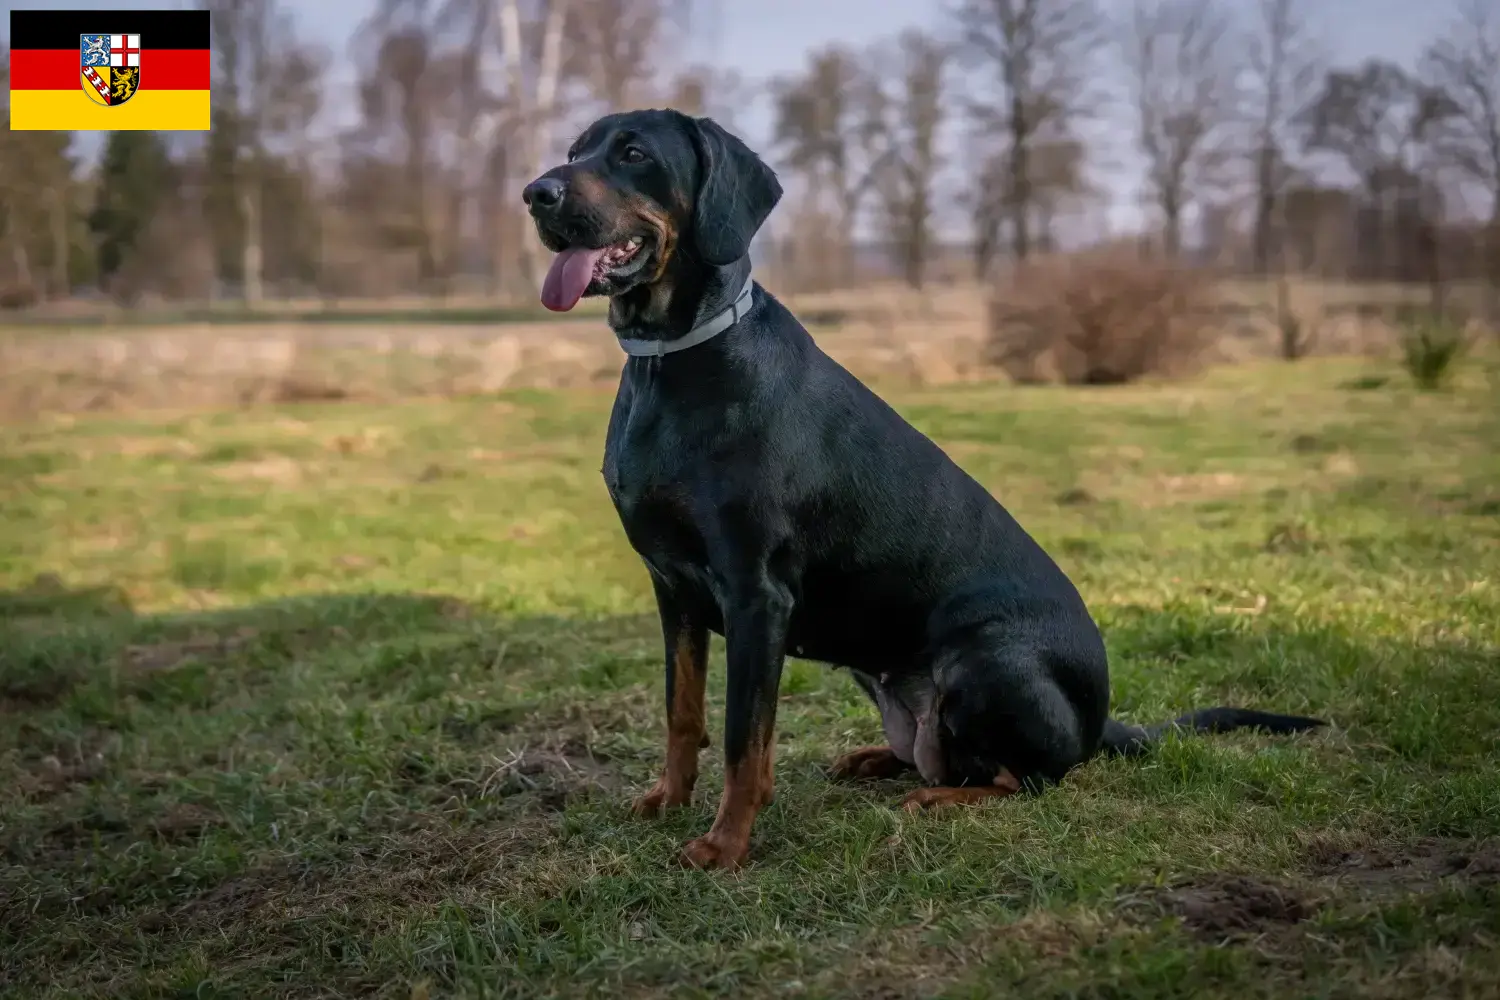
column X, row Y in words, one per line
column 1128, row 741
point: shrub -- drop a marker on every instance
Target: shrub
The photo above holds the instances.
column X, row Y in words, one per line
column 1430, row 343
column 1099, row 318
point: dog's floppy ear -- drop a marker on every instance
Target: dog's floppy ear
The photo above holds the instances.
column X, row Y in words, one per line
column 736, row 191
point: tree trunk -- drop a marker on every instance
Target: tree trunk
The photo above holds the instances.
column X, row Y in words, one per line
column 1021, row 130
column 1046, row 225
column 1020, row 193
column 1437, row 288
column 61, row 278
column 914, row 250
column 496, row 208
column 251, row 256
column 848, row 263
column 1265, row 209
column 1171, row 235
column 521, row 117
column 19, row 257
column 986, row 239
column 533, row 117
column 1492, row 268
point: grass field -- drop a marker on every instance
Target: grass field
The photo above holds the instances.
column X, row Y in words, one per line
column 337, row 700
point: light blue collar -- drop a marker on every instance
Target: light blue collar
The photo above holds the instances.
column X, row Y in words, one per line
column 707, row 330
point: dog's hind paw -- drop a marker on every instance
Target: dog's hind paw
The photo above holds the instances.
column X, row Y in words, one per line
column 1004, row 784
column 868, row 763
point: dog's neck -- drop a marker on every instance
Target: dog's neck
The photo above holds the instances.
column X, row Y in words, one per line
column 671, row 307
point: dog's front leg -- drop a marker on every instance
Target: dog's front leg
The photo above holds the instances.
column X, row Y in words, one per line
column 755, row 627
column 686, row 640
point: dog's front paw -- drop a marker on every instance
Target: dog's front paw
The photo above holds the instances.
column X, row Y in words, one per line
column 712, row 851
column 868, row 763
column 661, row 796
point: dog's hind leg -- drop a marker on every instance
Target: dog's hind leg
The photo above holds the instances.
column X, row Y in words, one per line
column 1007, row 716
column 867, row 763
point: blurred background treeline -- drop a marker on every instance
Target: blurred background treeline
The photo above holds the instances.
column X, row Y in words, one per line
column 1070, row 145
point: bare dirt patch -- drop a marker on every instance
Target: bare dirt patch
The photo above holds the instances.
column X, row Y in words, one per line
column 1221, row 906
column 552, row 774
column 34, row 694
column 1201, row 486
column 47, row 767
column 185, row 821
column 418, row 868
column 1383, row 870
column 277, row 469
column 159, row 656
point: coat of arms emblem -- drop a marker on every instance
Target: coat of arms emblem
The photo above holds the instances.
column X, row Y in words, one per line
column 111, row 67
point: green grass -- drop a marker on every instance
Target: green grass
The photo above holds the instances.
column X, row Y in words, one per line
column 342, row 700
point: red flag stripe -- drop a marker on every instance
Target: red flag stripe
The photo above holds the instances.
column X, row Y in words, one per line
column 61, row 69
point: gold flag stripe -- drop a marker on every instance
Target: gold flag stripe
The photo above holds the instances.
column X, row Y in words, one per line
column 186, row 110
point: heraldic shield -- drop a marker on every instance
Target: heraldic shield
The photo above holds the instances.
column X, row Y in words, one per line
column 111, row 67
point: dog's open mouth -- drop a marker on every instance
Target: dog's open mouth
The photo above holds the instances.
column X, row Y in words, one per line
column 576, row 268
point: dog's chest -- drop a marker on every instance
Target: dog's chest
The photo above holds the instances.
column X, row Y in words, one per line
column 642, row 489
column 649, row 471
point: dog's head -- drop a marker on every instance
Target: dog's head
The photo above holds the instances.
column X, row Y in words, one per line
column 645, row 194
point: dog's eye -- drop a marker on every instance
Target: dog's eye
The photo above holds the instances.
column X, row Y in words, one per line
column 633, row 154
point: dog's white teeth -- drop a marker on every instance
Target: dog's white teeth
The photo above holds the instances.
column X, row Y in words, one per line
column 632, row 243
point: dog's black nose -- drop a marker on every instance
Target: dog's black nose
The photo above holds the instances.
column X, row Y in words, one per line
column 544, row 193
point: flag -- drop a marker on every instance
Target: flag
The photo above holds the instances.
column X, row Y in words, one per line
column 102, row 70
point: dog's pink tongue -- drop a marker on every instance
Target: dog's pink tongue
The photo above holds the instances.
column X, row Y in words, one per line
column 569, row 277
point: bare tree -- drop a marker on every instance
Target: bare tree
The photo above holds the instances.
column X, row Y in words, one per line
column 38, row 208
column 1378, row 120
column 1037, row 63
column 829, row 125
column 1283, row 65
column 20, row 288
column 506, row 64
column 532, row 109
column 717, row 92
column 1184, row 76
column 1465, row 65
column 618, row 46
column 466, row 57
column 1058, row 183
column 510, row 72
column 906, row 180
column 399, row 100
column 267, row 87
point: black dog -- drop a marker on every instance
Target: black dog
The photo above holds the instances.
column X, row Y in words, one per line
column 780, row 503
